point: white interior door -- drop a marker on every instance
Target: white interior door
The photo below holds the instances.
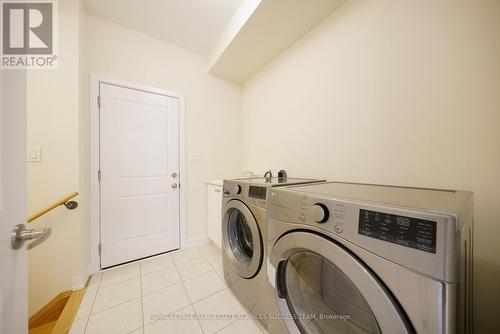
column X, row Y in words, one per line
column 13, row 266
column 139, row 163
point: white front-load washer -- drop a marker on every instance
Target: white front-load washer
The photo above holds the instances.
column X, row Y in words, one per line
column 356, row 258
column 244, row 240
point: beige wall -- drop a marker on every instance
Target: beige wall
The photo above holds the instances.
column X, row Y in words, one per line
column 58, row 121
column 394, row 92
column 212, row 106
column 53, row 113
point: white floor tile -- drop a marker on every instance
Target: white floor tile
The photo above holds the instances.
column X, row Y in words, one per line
column 122, row 299
column 94, row 282
column 119, row 274
column 220, row 272
column 159, row 279
column 163, row 302
column 223, row 303
column 215, row 259
column 78, row 326
column 156, row 263
column 241, row 327
column 208, row 248
column 182, row 256
column 193, row 268
column 203, row 286
column 86, row 304
column 120, row 319
column 185, row 324
column 116, row 294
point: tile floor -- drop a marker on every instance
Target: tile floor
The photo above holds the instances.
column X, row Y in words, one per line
column 170, row 293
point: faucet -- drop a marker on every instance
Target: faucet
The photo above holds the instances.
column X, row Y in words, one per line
column 268, row 179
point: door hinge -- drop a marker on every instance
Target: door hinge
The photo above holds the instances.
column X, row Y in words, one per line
column 99, row 248
column 99, row 102
column 99, row 175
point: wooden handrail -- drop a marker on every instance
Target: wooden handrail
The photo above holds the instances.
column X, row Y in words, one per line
column 52, row 206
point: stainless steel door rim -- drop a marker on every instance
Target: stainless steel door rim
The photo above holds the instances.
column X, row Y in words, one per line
column 386, row 311
column 246, row 266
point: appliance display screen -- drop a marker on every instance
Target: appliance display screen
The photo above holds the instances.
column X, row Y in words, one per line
column 257, row 192
column 406, row 231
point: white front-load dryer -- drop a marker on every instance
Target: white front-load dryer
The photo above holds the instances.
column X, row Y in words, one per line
column 353, row 258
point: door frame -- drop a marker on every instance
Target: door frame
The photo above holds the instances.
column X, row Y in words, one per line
column 94, row 265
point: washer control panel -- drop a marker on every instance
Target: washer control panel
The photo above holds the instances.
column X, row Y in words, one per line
column 254, row 194
column 257, row 192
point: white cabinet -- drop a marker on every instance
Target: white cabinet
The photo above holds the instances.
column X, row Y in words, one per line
column 214, row 212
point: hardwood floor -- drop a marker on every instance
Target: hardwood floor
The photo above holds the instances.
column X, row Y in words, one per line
column 43, row 329
column 51, row 311
column 68, row 315
column 58, row 315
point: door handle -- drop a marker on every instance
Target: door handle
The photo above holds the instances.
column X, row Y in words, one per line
column 174, row 185
column 20, row 234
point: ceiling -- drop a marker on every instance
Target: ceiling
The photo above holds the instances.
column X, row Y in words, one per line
column 191, row 24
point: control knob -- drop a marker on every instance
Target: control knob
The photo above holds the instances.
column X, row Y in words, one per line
column 237, row 189
column 319, row 213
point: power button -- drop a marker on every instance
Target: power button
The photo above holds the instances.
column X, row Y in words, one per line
column 338, row 228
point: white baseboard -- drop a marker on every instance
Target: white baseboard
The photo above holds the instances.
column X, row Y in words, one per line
column 90, row 271
column 78, row 282
column 197, row 241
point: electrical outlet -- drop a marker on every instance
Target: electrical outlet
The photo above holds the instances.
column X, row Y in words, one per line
column 34, row 154
column 196, row 157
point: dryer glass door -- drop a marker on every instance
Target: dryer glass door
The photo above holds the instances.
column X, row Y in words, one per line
column 323, row 288
column 241, row 239
column 315, row 286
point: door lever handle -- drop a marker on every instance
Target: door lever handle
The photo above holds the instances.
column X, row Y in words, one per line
column 20, row 234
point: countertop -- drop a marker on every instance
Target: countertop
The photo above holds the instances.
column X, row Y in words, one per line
column 215, row 182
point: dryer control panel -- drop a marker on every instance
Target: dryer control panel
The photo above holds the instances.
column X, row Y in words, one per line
column 406, row 231
column 424, row 240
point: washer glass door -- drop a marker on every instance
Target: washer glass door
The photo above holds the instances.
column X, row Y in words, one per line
column 241, row 239
column 240, row 236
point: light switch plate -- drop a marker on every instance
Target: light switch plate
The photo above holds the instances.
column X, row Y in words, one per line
column 34, row 154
